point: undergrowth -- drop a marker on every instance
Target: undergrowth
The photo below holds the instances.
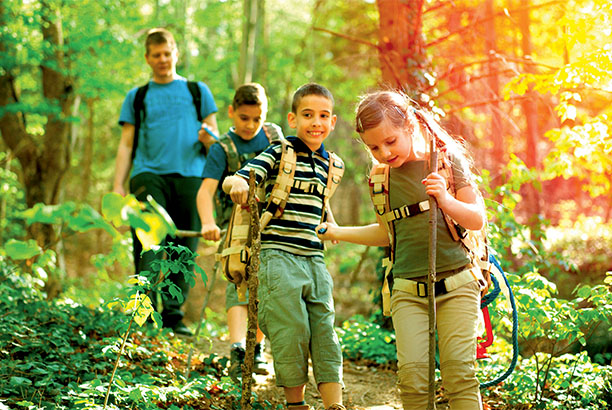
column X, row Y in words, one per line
column 60, row 355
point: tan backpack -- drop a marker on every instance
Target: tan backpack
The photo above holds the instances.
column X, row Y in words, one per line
column 236, row 253
column 475, row 242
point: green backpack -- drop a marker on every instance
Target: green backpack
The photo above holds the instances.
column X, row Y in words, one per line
column 223, row 203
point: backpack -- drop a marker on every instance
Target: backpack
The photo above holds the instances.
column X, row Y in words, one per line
column 475, row 242
column 236, row 251
column 140, row 112
column 223, row 204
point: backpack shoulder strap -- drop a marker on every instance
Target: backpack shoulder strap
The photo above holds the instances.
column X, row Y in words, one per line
column 231, row 153
column 139, row 114
column 196, row 94
column 379, row 193
column 282, row 185
column 273, row 132
column 334, row 174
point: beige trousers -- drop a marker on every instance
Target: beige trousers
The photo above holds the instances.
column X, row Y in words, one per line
column 457, row 320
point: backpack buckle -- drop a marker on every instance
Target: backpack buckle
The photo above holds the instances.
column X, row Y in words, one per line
column 380, row 190
column 421, row 289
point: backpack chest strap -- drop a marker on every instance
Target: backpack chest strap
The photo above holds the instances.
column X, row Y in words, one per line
column 406, row 211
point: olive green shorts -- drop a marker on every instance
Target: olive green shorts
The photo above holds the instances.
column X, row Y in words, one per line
column 296, row 313
column 231, row 297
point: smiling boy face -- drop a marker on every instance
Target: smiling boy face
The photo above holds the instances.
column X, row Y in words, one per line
column 313, row 120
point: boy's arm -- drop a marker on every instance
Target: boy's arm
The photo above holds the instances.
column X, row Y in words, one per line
column 237, row 188
column 204, row 200
column 123, row 161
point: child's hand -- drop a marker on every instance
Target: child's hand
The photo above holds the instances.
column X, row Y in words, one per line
column 435, row 185
column 211, row 232
column 325, row 232
column 240, row 191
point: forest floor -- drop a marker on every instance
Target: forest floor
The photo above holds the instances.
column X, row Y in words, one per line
column 366, row 387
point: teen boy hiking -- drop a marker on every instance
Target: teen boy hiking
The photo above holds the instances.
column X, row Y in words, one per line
column 247, row 138
column 296, row 309
column 166, row 154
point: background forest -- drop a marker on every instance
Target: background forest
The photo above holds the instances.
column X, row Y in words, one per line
column 526, row 83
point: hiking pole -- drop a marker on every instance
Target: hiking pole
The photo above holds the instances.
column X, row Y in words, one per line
column 431, row 277
column 252, row 283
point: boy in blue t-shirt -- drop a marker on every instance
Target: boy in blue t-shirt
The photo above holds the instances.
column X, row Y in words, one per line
column 296, row 306
column 248, row 136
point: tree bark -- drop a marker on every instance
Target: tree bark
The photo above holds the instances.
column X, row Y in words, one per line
column 497, row 151
column 249, row 36
column 401, row 46
column 44, row 163
column 531, row 115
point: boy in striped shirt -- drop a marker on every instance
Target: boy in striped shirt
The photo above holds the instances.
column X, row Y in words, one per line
column 296, row 308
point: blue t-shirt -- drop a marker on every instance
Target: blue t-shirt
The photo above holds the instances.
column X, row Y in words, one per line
column 168, row 138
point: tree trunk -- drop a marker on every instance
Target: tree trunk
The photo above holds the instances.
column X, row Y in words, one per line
column 87, row 160
column 43, row 163
column 249, row 36
column 530, row 109
column 497, row 158
column 401, row 46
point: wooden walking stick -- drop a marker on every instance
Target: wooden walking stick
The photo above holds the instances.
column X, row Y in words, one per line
column 252, row 283
column 431, row 277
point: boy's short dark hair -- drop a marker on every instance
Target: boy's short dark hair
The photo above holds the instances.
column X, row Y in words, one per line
column 159, row 36
column 250, row 94
column 310, row 89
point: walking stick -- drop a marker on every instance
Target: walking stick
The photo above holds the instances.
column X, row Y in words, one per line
column 431, row 277
column 252, row 283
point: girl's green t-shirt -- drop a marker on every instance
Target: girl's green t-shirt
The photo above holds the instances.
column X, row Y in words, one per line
column 412, row 233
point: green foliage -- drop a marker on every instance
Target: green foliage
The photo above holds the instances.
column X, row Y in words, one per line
column 59, row 355
column 365, row 340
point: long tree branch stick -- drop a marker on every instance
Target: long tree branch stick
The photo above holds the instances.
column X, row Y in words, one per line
column 431, row 278
column 252, row 283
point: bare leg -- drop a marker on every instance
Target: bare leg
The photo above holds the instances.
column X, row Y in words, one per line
column 294, row 394
column 330, row 393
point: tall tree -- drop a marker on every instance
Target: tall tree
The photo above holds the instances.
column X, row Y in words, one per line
column 530, row 109
column 401, row 45
column 250, row 25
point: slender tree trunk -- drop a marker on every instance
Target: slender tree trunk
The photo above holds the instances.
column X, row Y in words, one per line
column 531, row 114
column 497, row 157
column 249, row 36
column 87, row 160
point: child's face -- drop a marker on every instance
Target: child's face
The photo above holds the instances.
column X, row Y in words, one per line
column 313, row 120
column 248, row 120
column 389, row 144
column 162, row 59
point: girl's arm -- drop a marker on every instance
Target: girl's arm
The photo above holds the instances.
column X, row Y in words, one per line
column 467, row 209
column 370, row 235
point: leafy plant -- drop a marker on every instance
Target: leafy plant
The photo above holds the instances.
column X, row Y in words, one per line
column 364, row 340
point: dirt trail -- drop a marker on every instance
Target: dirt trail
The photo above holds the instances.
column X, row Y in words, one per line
column 366, row 388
